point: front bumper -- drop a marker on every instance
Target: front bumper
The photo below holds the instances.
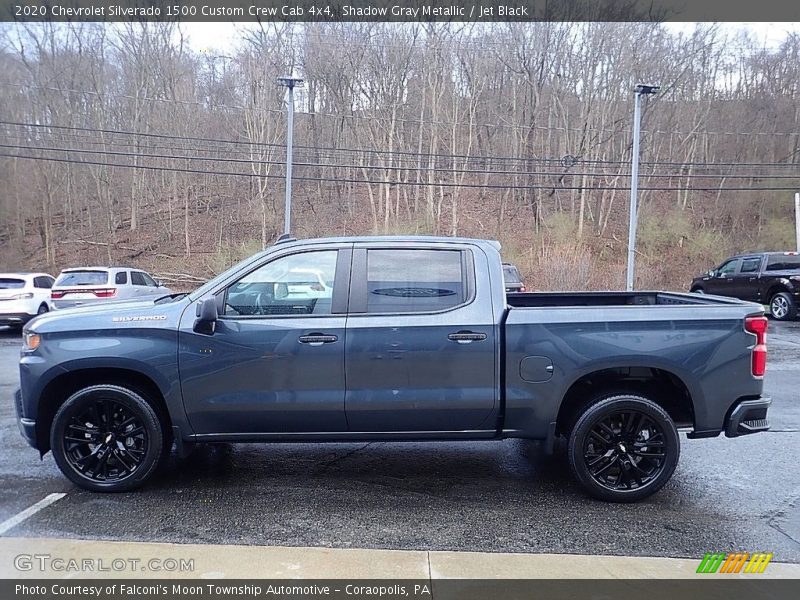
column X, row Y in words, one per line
column 27, row 427
column 748, row 416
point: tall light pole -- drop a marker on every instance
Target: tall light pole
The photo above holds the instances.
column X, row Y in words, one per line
column 639, row 91
column 291, row 83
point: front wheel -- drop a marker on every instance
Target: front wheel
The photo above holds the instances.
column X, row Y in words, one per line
column 782, row 307
column 107, row 438
column 623, row 448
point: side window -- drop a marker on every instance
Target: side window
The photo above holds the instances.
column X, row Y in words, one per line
column 297, row 284
column 121, row 278
column 408, row 281
column 750, row 265
column 149, row 280
column 137, row 278
column 48, row 282
column 39, row 282
column 728, row 268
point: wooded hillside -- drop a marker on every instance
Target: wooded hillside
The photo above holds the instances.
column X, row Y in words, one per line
column 124, row 144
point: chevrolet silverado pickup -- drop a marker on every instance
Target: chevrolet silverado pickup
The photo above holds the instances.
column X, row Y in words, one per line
column 771, row 278
column 391, row 339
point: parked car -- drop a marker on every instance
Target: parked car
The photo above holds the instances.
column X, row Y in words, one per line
column 90, row 285
column 23, row 296
column 512, row 278
column 771, row 278
column 418, row 341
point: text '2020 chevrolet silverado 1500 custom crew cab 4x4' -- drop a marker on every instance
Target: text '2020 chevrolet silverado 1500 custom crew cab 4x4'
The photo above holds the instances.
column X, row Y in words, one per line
column 391, row 339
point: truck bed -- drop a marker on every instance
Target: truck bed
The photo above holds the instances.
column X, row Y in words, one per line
column 567, row 299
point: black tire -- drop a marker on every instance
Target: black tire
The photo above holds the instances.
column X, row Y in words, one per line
column 103, row 458
column 698, row 290
column 782, row 307
column 623, row 467
column 42, row 309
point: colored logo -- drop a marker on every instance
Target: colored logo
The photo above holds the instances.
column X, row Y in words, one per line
column 734, row 562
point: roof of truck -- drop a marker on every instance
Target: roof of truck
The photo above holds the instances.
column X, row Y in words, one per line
column 387, row 238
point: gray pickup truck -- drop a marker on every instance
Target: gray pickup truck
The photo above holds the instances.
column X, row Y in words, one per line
column 391, row 339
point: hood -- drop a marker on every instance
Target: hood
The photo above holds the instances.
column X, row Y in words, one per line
column 106, row 315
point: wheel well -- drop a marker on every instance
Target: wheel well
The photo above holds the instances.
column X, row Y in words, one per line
column 775, row 289
column 664, row 388
column 696, row 287
column 62, row 387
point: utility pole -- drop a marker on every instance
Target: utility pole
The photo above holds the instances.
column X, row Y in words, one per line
column 639, row 91
column 290, row 82
column 797, row 221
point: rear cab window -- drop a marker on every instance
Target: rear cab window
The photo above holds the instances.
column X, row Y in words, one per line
column 80, row 278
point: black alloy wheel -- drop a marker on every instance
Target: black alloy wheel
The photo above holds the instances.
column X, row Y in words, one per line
column 624, row 448
column 107, row 438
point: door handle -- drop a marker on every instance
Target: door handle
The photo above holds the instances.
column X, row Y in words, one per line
column 317, row 339
column 466, row 337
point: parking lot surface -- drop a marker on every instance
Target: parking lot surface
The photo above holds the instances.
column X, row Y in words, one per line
column 504, row 496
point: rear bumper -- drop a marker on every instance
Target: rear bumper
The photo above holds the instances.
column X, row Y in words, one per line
column 27, row 427
column 15, row 318
column 748, row 416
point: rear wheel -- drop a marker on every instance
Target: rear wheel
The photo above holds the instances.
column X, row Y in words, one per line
column 782, row 307
column 107, row 438
column 623, row 448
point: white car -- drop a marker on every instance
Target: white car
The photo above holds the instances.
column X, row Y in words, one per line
column 93, row 285
column 23, row 296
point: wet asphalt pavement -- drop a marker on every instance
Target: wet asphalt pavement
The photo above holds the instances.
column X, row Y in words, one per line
column 740, row 494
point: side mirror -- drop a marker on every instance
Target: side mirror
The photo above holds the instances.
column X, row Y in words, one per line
column 207, row 315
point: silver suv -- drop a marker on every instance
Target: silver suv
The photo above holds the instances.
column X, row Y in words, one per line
column 89, row 285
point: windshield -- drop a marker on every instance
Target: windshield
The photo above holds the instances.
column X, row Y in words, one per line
column 6, row 283
column 208, row 285
column 778, row 262
column 82, row 278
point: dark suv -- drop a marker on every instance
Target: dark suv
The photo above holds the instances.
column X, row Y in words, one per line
column 512, row 278
column 767, row 277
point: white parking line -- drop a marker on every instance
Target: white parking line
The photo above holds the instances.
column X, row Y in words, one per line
column 29, row 512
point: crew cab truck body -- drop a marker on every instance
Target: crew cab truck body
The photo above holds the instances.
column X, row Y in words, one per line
column 771, row 278
column 401, row 339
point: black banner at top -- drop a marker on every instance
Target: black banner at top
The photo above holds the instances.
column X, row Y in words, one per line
column 400, row 10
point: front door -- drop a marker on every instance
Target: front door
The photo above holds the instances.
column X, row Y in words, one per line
column 745, row 280
column 275, row 361
column 721, row 283
column 420, row 352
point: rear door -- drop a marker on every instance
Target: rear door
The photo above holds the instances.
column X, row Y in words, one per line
column 420, row 353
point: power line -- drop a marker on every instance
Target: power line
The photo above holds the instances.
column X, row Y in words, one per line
column 372, row 167
column 400, row 182
column 396, row 152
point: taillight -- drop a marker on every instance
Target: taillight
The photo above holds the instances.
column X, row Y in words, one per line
column 105, row 293
column 56, row 294
column 758, row 327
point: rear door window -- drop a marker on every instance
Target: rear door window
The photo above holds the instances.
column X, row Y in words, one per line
column 121, row 278
column 750, row 265
column 410, row 281
column 80, row 278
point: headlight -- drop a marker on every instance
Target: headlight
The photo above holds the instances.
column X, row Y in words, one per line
column 30, row 341
column 22, row 297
